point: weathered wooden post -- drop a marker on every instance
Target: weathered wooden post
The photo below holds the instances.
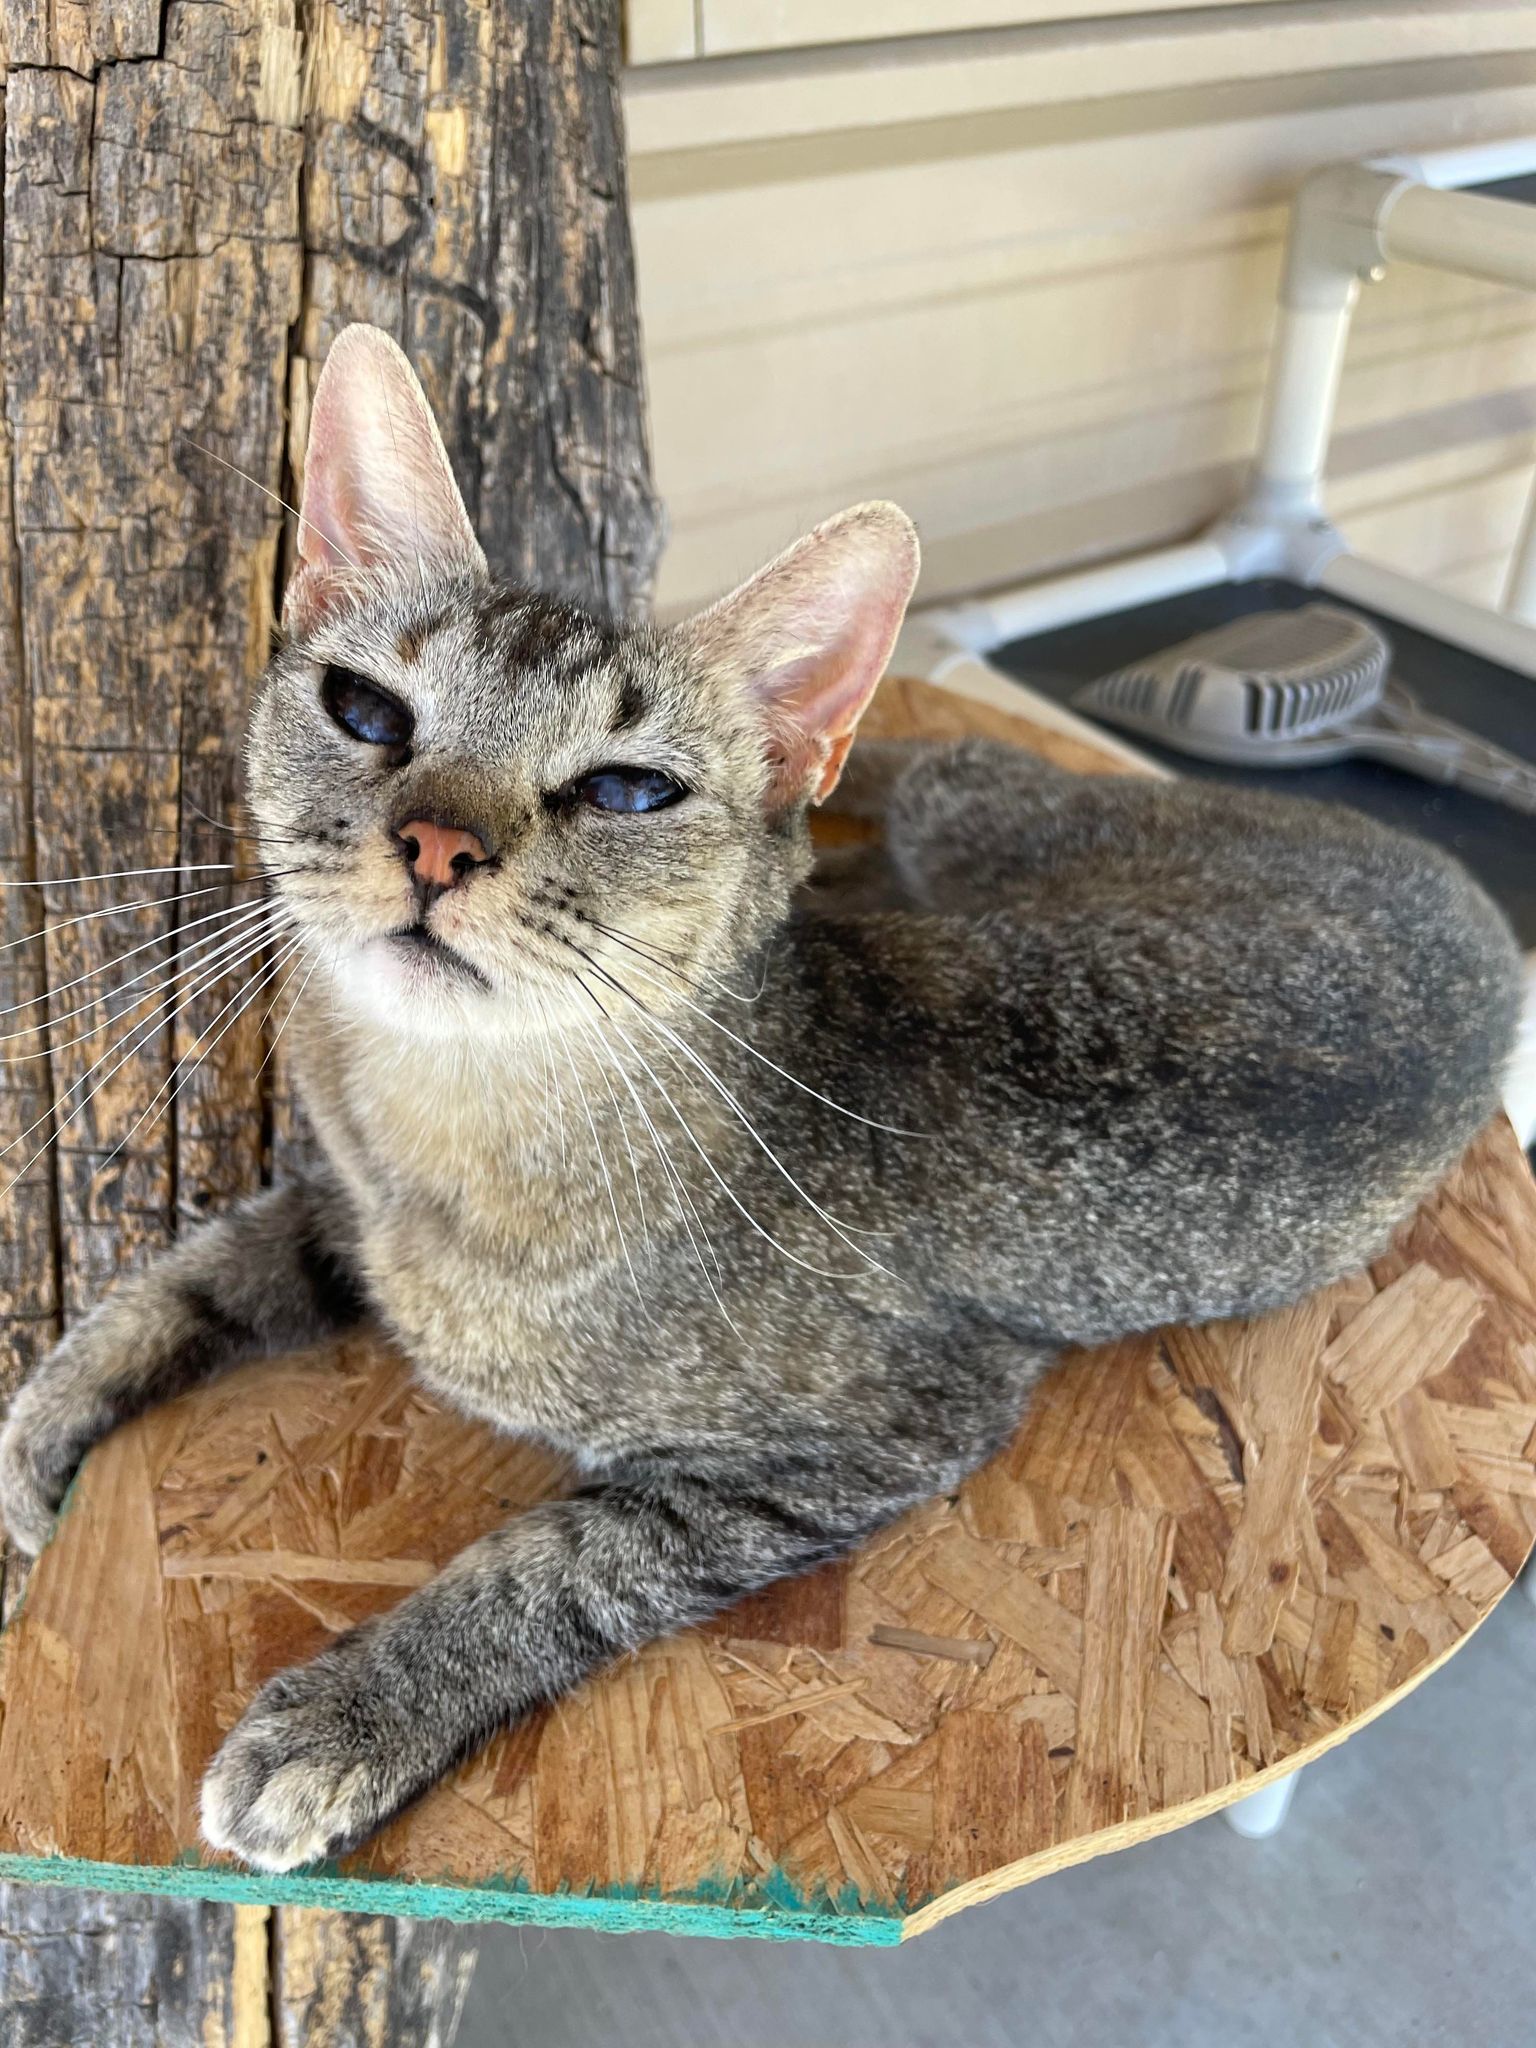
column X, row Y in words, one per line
column 197, row 196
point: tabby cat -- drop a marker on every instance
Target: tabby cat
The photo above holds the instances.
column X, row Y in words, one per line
column 764, row 1193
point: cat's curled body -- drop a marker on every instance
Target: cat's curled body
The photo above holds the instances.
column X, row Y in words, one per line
column 766, row 1199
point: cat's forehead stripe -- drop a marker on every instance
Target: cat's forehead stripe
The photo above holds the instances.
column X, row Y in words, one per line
column 415, row 636
column 515, row 626
column 631, row 705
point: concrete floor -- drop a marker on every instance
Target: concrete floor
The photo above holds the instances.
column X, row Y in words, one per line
column 1393, row 1910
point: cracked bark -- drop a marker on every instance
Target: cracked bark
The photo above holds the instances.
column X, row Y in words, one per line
column 197, row 196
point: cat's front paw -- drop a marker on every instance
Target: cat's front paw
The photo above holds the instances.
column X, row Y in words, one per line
column 318, row 1761
column 40, row 1446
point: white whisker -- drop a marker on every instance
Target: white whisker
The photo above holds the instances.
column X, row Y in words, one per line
column 256, row 485
column 546, row 1106
column 659, row 956
column 262, row 833
column 140, row 1036
column 804, row 1086
column 832, row 1222
column 163, row 1014
column 229, row 919
column 548, row 1077
column 176, row 867
column 304, row 984
column 161, row 1017
column 472, row 1047
column 122, row 909
column 244, row 996
column 223, row 944
column 597, row 1146
column 595, row 1036
column 546, row 1053
column 675, row 1179
column 725, row 1185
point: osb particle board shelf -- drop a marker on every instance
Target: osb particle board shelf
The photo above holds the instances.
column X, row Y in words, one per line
column 1207, row 1556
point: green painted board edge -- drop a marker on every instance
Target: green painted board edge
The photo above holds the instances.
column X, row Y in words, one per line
column 615, row 1912
column 784, row 1915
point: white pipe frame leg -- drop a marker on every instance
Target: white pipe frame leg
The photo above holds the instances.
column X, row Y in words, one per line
column 1262, row 1812
column 1509, row 642
column 1348, row 223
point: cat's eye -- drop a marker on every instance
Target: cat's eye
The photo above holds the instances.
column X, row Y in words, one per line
column 364, row 710
column 627, row 789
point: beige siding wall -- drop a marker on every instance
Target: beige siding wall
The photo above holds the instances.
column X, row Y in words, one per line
column 1022, row 279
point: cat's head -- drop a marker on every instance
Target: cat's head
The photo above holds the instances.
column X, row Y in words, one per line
column 488, row 808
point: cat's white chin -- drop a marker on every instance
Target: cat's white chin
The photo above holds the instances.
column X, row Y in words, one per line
column 404, row 987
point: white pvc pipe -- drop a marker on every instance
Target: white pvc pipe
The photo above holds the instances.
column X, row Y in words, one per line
column 1480, row 163
column 922, row 653
column 1350, row 217
column 1507, row 641
column 1262, row 1812
column 1300, row 395
column 985, row 623
column 1465, row 232
column 1520, row 585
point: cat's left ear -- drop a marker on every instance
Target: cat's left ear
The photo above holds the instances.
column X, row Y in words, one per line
column 809, row 637
column 379, row 491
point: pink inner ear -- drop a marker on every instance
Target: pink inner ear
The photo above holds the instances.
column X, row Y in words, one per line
column 379, row 491
column 809, row 637
column 321, row 519
column 315, row 591
column 845, row 605
column 817, row 704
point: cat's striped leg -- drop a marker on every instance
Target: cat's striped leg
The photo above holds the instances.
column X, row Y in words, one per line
column 330, row 1750
column 268, row 1276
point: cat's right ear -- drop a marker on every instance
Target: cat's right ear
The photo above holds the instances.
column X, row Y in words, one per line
column 379, row 492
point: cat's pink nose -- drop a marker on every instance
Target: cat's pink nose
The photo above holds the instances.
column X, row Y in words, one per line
column 439, row 855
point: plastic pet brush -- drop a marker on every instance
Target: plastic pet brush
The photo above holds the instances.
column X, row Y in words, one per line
column 1298, row 690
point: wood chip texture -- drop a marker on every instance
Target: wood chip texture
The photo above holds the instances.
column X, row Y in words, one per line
column 1206, row 1556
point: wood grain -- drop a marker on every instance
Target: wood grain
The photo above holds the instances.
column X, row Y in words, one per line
column 134, row 1973
column 465, row 188
column 347, row 1980
column 1206, row 1556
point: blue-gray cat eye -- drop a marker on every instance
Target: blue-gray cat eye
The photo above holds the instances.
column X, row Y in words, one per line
column 628, row 789
column 364, row 710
